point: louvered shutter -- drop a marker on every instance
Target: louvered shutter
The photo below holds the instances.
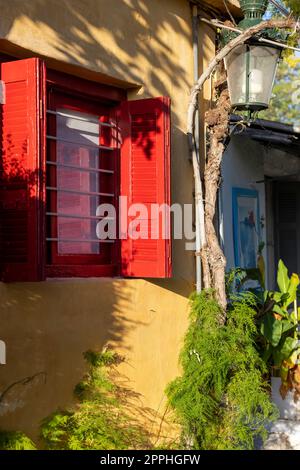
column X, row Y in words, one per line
column 21, row 191
column 145, row 179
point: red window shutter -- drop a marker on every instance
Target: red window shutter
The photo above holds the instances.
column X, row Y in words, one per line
column 145, row 179
column 21, row 191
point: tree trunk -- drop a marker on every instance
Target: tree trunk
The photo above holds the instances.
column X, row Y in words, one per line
column 213, row 259
column 218, row 125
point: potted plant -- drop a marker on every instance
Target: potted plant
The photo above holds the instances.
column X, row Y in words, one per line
column 279, row 325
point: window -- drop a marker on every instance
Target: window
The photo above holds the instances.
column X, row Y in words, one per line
column 81, row 171
column 69, row 145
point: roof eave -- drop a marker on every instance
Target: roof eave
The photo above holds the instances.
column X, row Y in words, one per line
column 218, row 8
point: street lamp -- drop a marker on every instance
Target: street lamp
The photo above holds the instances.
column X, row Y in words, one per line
column 251, row 68
column 251, row 71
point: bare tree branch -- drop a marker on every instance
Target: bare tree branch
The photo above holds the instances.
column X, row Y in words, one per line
column 213, row 259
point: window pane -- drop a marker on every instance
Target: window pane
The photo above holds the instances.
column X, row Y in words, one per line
column 77, row 146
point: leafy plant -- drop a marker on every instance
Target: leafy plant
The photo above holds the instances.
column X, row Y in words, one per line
column 100, row 420
column 280, row 330
column 222, row 398
column 15, row 440
column 236, row 279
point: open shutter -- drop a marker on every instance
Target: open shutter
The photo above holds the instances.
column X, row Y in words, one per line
column 145, row 179
column 21, row 192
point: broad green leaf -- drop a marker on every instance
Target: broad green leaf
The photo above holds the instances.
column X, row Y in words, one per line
column 283, row 277
column 271, row 329
column 280, row 298
column 278, row 357
column 284, row 298
column 284, row 371
column 293, row 359
column 288, row 347
column 292, row 290
column 267, row 353
column 280, row 311
column 266, row 295
column 287, row 325
column 295, row 315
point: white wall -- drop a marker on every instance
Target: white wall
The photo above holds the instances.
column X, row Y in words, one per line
column 243, row 167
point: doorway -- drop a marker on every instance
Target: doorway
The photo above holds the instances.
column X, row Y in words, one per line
column 286, row 206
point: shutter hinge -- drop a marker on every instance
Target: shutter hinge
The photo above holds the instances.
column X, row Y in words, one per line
column 41, row 109
column 168, row 137
column 169, row 260
column 2, row 92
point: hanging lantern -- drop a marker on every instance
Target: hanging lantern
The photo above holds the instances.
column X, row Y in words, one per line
column 251, row 68
column 254, row 11
column 251, row 71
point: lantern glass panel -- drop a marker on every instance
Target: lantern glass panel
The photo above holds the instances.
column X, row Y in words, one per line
column 263, row 67
column 235, row 64
column 251, row 71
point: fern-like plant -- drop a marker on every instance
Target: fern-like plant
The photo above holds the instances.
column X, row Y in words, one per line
column 100, row 420
column 15, row 440
column 222, row 398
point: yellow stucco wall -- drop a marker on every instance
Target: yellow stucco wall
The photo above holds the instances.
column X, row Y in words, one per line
column 47, row 326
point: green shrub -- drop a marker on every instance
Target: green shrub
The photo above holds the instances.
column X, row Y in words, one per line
column 100, row 420
column 14, row 440
column 222, row 398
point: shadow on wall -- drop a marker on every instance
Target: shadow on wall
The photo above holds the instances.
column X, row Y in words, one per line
column 107, row 37
column 128, row 40
column 48, row 326
column 45, row 338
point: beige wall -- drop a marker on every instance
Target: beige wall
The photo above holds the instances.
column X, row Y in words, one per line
column 47, row 326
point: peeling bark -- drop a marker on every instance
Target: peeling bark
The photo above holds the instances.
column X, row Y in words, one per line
column 217, row 120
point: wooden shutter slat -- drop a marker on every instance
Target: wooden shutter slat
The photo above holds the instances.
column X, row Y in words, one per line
column 21, row 194
column 145, row 178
